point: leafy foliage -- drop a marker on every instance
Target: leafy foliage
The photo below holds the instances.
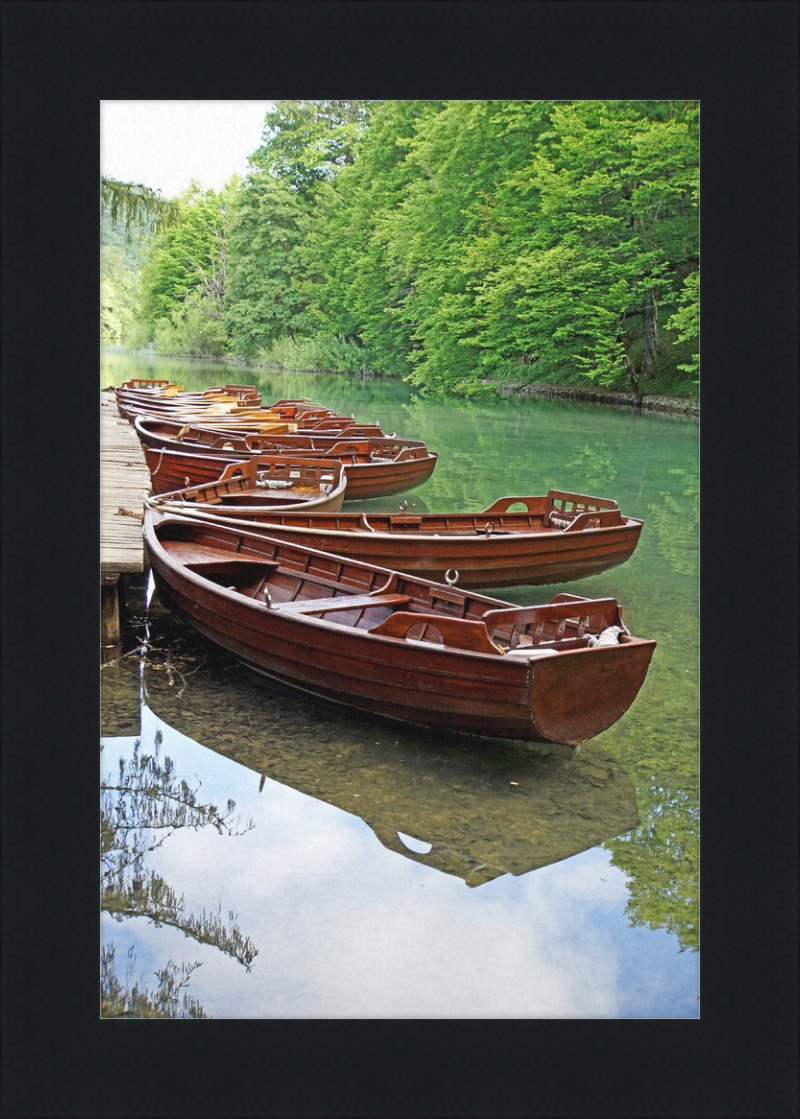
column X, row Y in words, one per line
column 456, row 243
column 265, row 301
column 307, row 142
column 137, row 205
column 686, row 321
column 185, row 276
column 615, row 219
column 118, row 296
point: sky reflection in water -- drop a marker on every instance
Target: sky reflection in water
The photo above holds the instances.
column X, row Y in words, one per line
column 348, row 929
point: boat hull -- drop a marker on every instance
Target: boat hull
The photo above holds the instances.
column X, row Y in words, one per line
column 565, row 698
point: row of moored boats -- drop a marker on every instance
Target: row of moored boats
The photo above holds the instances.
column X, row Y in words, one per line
column 248, row 541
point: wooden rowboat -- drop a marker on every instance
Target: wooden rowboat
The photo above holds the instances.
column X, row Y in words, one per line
column 556, row 538
column 170, row 410
column 194, row 427
column 400, row 646
column 221, row 420
column 154, row 388
column 133, row 396
column 239, row 411
column 185, row 435
column 376, row 467
column 265, row 483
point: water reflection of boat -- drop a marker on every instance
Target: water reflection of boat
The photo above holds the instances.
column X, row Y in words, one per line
column 438, row 800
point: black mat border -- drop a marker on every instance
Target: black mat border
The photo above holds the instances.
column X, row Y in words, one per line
column 59, row 61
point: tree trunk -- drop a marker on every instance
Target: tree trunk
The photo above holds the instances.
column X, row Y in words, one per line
column 650, row 341
column 633, row 376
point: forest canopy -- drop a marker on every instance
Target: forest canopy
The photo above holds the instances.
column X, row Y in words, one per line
column 458, row 244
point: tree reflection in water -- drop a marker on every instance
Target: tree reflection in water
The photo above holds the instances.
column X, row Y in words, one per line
column 139, row 810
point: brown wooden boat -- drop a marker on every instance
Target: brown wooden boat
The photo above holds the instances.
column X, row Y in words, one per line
column 152, row 388
column 264, row 483
column 397, row 645
column 188, row 425
column 186, row 435
column 556, row 538
column 377, row 467
column 141, row 394
column 219, row 409
column 214, row 406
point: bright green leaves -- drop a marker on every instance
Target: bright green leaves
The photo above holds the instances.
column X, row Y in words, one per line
column 686, row 321
column 616, row 216
column 185, row 277
column 307, row 142
column 264, row 302
column 455, row 242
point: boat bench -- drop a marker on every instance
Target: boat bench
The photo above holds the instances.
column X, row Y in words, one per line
column 342, row 602
column 462, row 633
column 540, row 625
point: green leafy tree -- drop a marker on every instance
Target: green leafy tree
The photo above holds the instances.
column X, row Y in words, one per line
column 118, row 296
column 355, row 290
column 124, row 243
column 137, row 205
column 686, row 321
column 185, row 277
column 265, row 302
column 616, row 219
column 306, row 145
column 446, row 234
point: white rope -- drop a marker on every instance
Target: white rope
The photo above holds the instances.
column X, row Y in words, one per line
column 609, row 636
column 272, row 484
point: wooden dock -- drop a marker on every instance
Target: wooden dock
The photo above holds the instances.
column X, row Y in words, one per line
column 124, row 484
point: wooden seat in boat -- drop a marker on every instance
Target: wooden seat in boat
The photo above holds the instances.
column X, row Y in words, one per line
column 343, row 602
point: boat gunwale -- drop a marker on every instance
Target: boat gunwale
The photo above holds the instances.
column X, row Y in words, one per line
column 545, row 532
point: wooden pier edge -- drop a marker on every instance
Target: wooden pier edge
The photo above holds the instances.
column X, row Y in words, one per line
column 124, row 484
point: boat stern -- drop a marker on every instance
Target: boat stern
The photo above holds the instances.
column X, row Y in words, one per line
column 577, row 695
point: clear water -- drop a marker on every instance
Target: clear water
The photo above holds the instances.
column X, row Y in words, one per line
column 391, row 872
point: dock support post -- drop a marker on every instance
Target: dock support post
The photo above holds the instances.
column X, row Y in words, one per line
column 110, row 594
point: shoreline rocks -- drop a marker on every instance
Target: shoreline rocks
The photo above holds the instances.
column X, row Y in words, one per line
column 682, row 406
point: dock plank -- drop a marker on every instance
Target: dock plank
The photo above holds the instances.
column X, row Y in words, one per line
column 124, row 484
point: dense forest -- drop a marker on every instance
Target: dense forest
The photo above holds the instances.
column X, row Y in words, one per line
column 458, row 244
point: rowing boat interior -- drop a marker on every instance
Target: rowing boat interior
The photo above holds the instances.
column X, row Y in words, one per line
column 265, row 480
column 293, row 580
